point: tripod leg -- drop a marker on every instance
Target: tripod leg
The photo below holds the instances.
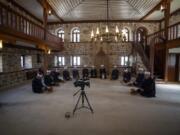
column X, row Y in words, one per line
column 82, row 99
column 88, row 103
column 76, row 104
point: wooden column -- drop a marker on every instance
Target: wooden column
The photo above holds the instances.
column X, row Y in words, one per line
column 166, row 24
column 45, row 18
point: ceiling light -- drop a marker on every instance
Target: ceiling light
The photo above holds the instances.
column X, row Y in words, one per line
column 49, row 51
column 1, row 44
column 105, row 35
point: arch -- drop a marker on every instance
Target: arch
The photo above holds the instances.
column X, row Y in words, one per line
column 75, row 34
column 126, row 33
column 60, row 33
column 141, row 36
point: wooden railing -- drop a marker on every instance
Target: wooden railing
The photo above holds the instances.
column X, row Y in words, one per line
column 52, row 38
column 174, row 31
column 159, row 37
column 14, row 22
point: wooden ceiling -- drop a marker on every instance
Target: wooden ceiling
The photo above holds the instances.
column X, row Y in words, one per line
column 95, row 10
column 80, row 10
column 34, row 7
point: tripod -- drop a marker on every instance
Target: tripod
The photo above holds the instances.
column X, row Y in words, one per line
column 83, row 97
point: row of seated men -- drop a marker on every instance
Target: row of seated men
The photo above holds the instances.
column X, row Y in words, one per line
column 85, row 73
column 144, row 82
column 44, row 81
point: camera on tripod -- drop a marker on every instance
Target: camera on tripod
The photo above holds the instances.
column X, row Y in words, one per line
column 82, row 83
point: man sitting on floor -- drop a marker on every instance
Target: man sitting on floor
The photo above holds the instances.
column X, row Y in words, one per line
column 56, row 76
column 66, row 74
column 85, row 72
column 147, row 88
column 38, row 85
column 93, row 72
column 48, row 79
column 75, row 73
column 126, row 76
column 102, row 72
column 115, row 73
column 139, row 78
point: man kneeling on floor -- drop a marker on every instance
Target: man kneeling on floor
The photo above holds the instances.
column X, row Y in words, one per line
column 147, row 88
column 48, row 79
column 38, row 85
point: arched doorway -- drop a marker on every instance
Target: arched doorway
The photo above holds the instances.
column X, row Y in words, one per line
column 101, row 58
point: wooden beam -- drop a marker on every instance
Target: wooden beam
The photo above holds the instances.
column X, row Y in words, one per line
column 46, row 5
column 157, row 7
column 54, row 12
column 101, row 21
column 173, row 13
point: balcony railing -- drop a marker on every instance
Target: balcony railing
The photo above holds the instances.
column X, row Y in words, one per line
column 159, row 37
column 13, row 21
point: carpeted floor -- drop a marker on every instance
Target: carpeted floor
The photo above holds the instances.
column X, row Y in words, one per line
column 116, row 112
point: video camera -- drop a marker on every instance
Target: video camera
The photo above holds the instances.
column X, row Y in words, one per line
column 82, row 83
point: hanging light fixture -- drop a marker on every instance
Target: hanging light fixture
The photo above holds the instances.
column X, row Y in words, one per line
column 107, row 35
column 1, row 44
column 49, row 51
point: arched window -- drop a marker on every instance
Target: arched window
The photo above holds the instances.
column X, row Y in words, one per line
column 125, row 34
column 141, row 36
column 75, row 35
column 60, row 34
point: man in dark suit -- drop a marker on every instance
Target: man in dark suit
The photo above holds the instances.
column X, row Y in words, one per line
column 66, row 74
column 147, row 88
column 49, row 79
column 37, row 84
column 126, row 76
column 139, row 78
column 85, row 72
column 102, row 72
column 75, row 73
column 93, row 72
column 115, row 73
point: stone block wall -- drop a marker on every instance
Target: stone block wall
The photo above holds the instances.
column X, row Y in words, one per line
column 13, row 73
column 88, row 50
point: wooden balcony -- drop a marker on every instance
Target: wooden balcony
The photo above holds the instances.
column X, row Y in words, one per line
column 159, row 37
column 13, row 24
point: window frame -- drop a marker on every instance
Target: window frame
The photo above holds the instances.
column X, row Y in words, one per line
column 1, row 63
column 75, row 35
column 23, row 60
column 128, row 34
column 75, row 61
column 61, row 34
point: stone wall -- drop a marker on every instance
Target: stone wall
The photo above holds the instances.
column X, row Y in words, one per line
column 13, row 73
column 88, row 50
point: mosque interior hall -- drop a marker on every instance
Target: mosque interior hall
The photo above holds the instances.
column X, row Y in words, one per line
column 89, row 67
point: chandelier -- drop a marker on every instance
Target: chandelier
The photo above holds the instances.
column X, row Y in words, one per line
column 107, row 36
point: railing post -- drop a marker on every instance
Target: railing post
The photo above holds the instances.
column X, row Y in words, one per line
column 167, row 16
column 45, row 22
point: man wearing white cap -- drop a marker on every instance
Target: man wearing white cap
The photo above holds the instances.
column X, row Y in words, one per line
column 115, row 73
column 148, row 86
column 139, row 78
column 85, row 72
column 93, row 72
column 66, row 74
column 102, row 72
column 75, row 73
column 126, row 76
